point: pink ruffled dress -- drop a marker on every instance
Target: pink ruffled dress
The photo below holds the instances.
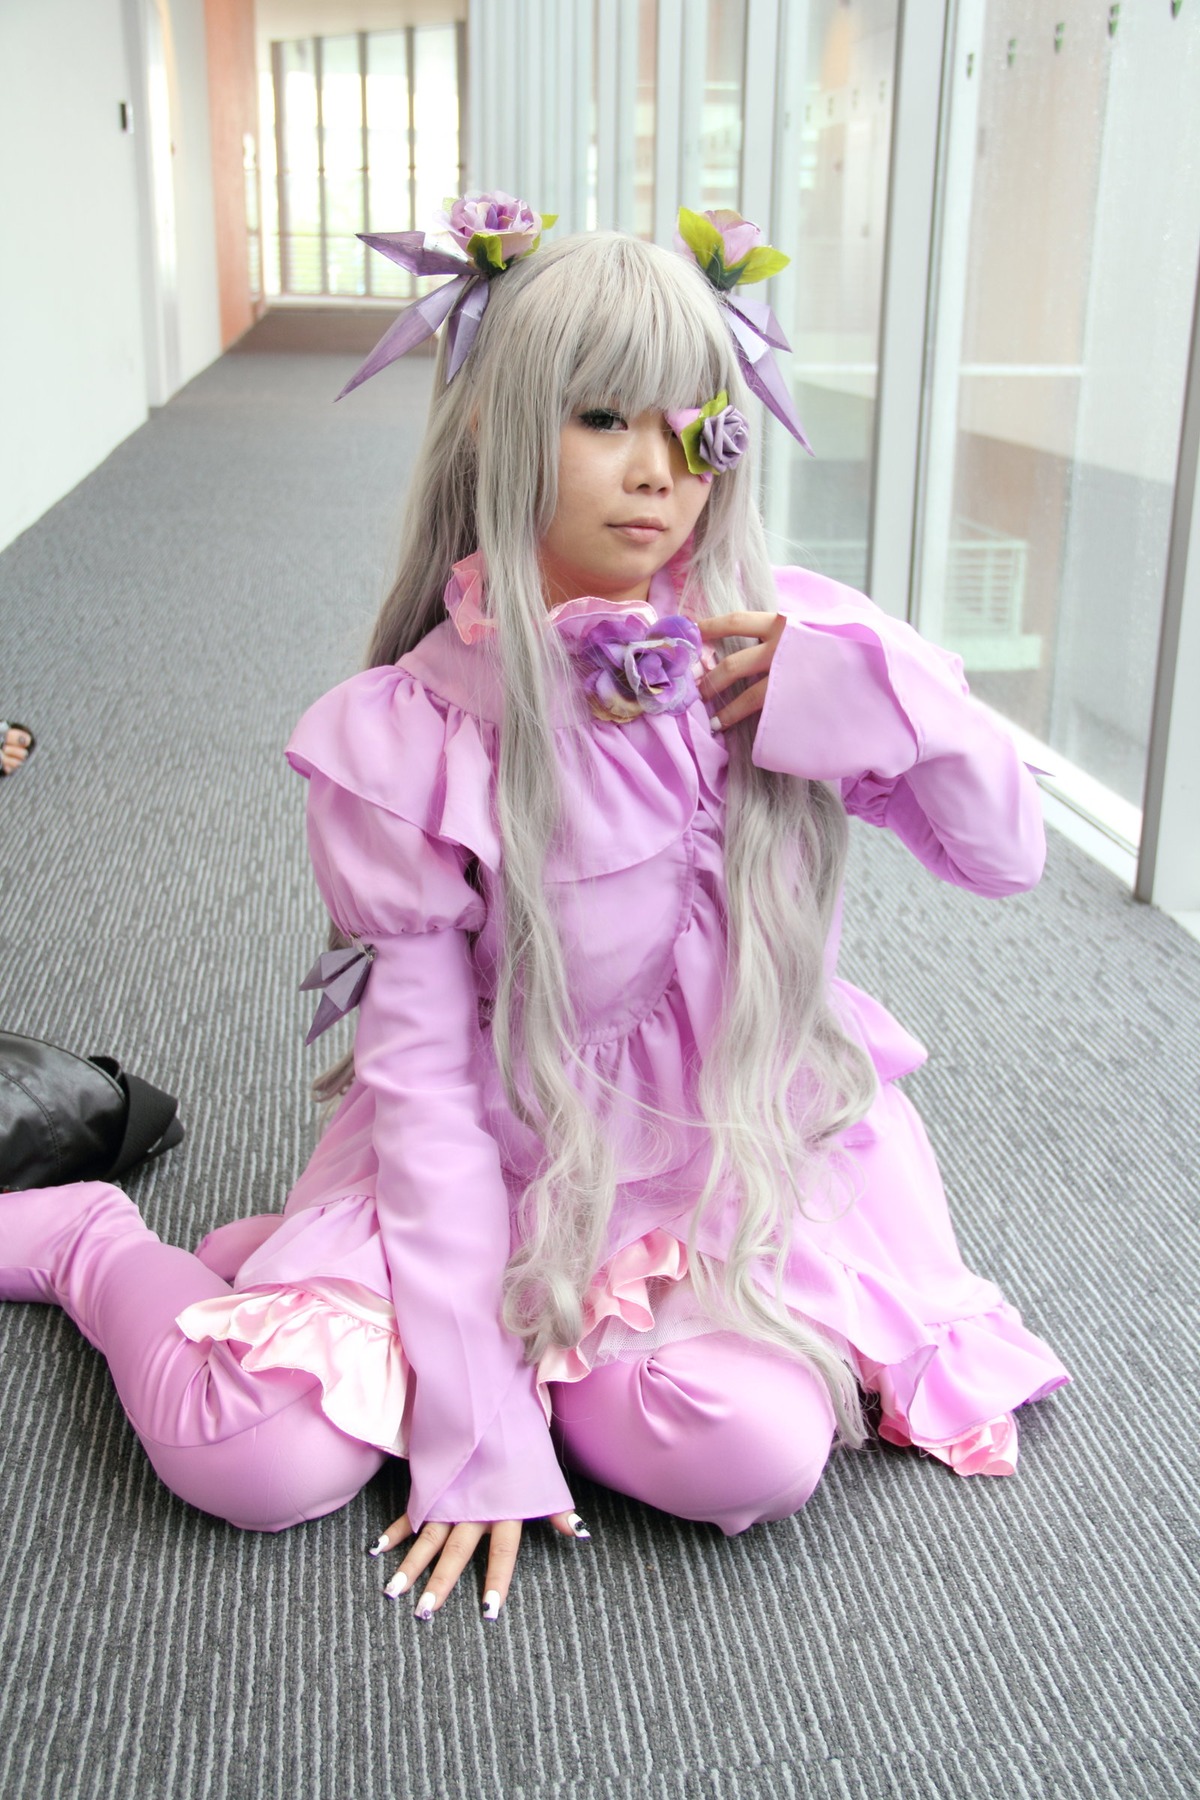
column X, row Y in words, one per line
column 382, row 1276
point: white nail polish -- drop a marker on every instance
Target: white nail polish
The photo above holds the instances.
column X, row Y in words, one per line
column 491, row 1604
column 396, row 1585
column 424, row 1607
column 715, row 723
column 576, row 1524
column 697, row 670
column 379, row 1548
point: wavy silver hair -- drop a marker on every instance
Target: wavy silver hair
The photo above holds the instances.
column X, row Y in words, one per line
column 596, row 321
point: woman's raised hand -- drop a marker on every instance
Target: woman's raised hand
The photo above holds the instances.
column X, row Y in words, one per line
column 768, row 628
column 454, row 1546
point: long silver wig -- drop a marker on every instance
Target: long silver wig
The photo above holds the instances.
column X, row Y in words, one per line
column 604, row 320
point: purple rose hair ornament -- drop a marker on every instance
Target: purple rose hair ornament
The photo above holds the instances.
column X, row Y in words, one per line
column 491, row 232
column 730, row 252
column 630, row 668
column 714, row 436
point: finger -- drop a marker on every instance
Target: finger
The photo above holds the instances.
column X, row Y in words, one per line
column 569, row 1524
column 460, row 1548
column 426, row 1545
column 502, row 1560
column 737, row 624
column 737, row 667
column 746, row 704
column 393, row 1536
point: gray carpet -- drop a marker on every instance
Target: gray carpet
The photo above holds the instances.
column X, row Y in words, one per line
column 911, row 1634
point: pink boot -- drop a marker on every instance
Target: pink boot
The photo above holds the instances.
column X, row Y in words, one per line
column 255, row 1449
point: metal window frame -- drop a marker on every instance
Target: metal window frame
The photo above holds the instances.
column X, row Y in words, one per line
column 364, row 140
column 924, row 38
column 282, row 224
column 318, row 45
column 1168, row 871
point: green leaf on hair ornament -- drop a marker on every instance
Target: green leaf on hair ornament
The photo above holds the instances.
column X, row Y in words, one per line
column 728, row 248
column 486, row 248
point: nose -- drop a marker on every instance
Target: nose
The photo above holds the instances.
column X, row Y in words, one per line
column 649, row 467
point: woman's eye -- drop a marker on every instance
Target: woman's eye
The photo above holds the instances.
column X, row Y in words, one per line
column 602, row 419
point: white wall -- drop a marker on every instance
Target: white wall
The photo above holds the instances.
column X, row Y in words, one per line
column 73, row 373
column 195, row 221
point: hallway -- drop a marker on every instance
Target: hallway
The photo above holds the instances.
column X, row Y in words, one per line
column 165, row 625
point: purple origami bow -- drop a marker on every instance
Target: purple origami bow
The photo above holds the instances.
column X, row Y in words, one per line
column 755, row 331
column 343, row 976
column 462, row 301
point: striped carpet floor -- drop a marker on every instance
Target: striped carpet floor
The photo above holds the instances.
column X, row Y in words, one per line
column 910, row 1634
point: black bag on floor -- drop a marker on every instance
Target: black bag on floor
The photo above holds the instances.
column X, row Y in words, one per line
column 73, row 1118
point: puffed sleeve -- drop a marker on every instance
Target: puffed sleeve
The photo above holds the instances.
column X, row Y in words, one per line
column 480, row 1446
column 856, row 698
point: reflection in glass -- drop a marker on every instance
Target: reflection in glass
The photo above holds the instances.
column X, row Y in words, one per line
column 721, row 112
column 645, row 113
column 1052, row 467
column 833, row 224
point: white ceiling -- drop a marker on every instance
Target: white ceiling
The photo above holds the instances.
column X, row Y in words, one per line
column 276, row 19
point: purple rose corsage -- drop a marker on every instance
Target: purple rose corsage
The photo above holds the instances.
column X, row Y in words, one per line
column 630, row 668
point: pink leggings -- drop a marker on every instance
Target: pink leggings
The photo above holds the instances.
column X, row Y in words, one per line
column 710, row 1428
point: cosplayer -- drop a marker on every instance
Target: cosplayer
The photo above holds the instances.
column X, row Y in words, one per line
column 619, row 1180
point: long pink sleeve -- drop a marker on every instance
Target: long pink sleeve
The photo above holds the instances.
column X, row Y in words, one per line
column 856, row 698
column 480, row 1447
column 479, row 1444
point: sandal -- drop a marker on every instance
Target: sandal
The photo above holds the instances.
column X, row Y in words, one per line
column 7, row 725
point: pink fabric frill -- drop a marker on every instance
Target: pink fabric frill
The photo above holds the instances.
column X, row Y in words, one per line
column 988, row 1449
column 338, row 1331
column 345, row 1336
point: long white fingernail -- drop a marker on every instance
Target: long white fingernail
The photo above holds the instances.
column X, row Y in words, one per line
column 491, row 1604
column 424, row 1607
column 379, row 1548
column 697, row 669
column 715, row 723
column 576, row 1524
column 396, row 1585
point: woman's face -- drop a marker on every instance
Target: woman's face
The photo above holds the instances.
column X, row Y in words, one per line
column 627, row 501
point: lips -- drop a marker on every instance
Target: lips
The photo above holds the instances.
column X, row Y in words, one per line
column 639, row 531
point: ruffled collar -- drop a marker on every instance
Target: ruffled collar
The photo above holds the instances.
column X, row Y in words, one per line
column 465, row 593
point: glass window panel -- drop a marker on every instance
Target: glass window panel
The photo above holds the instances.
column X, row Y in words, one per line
column 387, row 153
column 435, row 119
column 1078, row 222
column 322, row 196
column 387, row 130
column 829, row 301
column 250, row 187
column 342, row 159
column 299, row 179
column 269, row 183
column 644, row 119
column 721, row 113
